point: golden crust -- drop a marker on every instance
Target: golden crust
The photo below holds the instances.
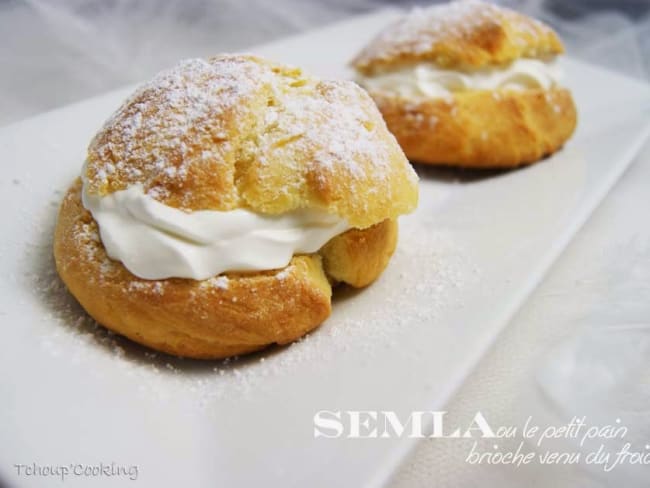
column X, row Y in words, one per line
column 482, row 129
column 227, row 315
column 467, row 34
column 240, row 132
column 355, row 256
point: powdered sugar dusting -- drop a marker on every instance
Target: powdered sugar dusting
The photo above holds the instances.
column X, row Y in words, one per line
column 424, row 30
column 220, row 117
column 148, row 139
column 332, row 133
column 334, row 136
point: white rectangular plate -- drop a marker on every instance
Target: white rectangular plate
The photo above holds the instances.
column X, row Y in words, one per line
column 469, row 256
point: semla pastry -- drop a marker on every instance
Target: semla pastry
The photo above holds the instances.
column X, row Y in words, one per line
column 469, row 84
column 220, row 204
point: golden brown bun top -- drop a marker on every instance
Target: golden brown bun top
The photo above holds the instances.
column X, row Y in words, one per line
column 240, row 132
column 465, row 34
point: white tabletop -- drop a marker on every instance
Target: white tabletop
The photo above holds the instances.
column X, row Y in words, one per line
column 598, row 289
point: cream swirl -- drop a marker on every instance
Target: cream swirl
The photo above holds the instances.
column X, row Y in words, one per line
column 155, row 241
column 426, row 80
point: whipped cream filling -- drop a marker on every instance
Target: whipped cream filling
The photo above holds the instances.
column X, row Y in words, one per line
column 426, row 80
column 155, row 241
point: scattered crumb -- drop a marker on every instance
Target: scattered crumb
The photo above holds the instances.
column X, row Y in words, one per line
column 218, row 282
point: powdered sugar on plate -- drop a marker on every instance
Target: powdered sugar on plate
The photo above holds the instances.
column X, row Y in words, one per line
column 429, row 267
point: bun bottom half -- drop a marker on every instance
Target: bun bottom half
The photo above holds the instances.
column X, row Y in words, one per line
column 233, row 314
column 481, row 129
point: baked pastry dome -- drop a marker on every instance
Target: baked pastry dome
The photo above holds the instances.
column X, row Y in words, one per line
column 469, row 84
column 231, row 135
